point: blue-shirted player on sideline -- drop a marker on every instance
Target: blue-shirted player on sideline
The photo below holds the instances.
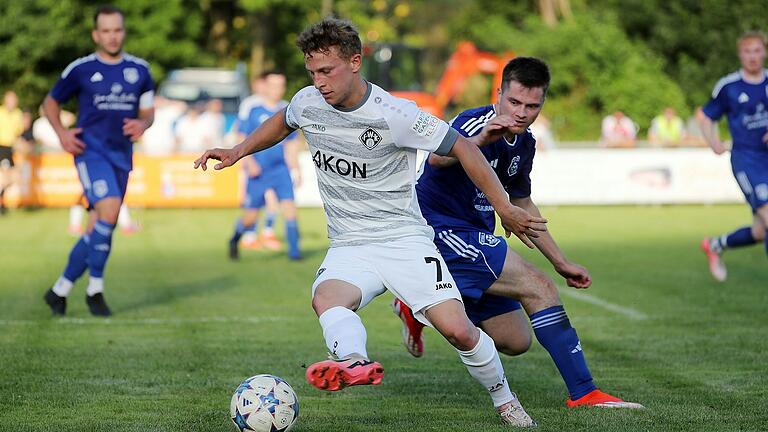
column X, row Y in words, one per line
column 114, row 91
column 493, row 279
column 743, row 98
column 269, row 169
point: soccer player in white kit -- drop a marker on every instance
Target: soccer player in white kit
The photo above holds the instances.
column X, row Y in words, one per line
column 363, row 143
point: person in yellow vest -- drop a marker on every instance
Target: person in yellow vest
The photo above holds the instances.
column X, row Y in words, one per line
column 11, row 128
column 667, row 129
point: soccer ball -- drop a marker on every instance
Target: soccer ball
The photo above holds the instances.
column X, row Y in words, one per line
column 264, row 403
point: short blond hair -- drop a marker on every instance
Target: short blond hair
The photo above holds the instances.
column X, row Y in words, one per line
column 753, row 34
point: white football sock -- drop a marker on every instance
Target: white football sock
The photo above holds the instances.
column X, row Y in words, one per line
column 344, row 332
column 95, row 286
column 484, row 364
column 124, row 217
column 62, row 287
column 76, row 216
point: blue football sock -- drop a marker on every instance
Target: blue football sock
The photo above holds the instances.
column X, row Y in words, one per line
column 269, row 220
column 292, row 235
column 740, row 237
column 99, row 248
column 554, row 332
column 241, row 229
column 77, row 262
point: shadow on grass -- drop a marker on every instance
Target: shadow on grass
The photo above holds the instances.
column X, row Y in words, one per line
column 169, row 293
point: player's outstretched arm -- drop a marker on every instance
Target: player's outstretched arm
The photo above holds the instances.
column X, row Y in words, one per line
column 575, row 275
column 492, row 131
column 268, row 134
column 514, row 219
column 709, row 131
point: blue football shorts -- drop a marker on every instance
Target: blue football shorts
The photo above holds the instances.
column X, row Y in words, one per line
column 751, row 171
column 279, row 181
column 100, row 179
column 475, row 260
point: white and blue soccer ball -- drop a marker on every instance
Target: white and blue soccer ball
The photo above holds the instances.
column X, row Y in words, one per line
column 264, row 403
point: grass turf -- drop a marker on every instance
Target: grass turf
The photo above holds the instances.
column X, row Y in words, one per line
column 189, row 325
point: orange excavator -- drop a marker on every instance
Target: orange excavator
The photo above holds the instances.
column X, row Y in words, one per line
column 396, row 68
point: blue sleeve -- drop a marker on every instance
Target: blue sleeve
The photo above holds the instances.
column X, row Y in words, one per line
column 717, row 106
column 67, row 86
column 149, row 83
column 456, row 124
column 244, row 125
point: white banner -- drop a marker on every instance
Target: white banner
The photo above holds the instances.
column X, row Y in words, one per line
column 608, row 176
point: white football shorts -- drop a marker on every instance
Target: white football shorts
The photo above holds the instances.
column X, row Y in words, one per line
column 411, row 268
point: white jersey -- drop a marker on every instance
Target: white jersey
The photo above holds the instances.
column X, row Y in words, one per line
column 365, row 158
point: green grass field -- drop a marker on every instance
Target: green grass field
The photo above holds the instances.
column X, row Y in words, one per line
column 189, row 325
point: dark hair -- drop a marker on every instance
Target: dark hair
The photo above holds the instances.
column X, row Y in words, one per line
column 106, row 10
column 528, row 71
column 330, row 32
column 269, row 72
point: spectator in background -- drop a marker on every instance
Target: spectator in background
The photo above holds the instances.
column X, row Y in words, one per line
column 214, row 121
column 159, row 139
column 618, row 131
column 191, row 136
column 11, row 128
column 541, row 129
column 667, row 129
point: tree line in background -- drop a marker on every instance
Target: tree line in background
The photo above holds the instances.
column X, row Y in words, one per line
column 637, row 56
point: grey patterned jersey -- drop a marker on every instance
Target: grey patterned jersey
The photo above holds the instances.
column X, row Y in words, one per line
column 365, row 158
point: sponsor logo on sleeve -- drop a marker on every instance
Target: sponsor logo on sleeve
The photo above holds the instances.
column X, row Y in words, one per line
column 425, row 124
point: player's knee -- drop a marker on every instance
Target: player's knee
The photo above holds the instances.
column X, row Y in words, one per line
column 325, row 299
column 542, row 291
column 515, row 346
column 462, row 337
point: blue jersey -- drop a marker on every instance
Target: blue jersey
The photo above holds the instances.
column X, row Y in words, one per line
column 746, row 107
column 107, row 93
column 448, row 198
column 251, row 117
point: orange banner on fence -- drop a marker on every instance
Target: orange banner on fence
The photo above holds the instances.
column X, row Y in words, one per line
column 50, row 180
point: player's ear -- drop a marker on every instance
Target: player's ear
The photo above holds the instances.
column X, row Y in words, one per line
column 356, row 61
column 95, row 36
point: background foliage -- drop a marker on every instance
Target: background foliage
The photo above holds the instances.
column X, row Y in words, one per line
column 633, row 55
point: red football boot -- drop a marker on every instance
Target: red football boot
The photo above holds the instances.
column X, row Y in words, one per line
column 597, row 398
column 411, row 328
column 333, row 375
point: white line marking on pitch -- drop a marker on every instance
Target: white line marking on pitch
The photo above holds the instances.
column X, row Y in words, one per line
column 588, row 298
column 147, row 321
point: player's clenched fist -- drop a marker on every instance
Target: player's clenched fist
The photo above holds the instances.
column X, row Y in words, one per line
column 226, row 157
column 522, row 224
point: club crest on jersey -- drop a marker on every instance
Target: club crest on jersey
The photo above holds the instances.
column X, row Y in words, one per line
column 489, row 240
column 370, row 138
column 512, row 170
column 131, row 75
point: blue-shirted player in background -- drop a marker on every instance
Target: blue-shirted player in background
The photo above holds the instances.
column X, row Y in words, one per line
column 269, row 169
column 493, row 279
column 114, row 91
column 743, row 98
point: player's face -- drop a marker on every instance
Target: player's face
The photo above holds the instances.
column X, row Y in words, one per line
column 273, row 87
column 333, row 75
column 752, row 55
column 109, row 34
column 521, row 103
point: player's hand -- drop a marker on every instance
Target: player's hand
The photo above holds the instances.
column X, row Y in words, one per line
column 70, row 143
column 227, row 157
column 253, row 168
column 296, row 177
column 134, row 128
column 522, row 224
column 718, row 148
column 494, row 129
column 575, row 275
column 765, row 138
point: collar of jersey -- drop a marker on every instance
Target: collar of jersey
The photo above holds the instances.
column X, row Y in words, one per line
column 101, row 60
column 361, row 103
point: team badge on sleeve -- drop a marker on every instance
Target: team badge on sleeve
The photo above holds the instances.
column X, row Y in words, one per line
column 131, row 75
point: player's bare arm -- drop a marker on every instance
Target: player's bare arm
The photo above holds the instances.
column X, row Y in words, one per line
column 514, row 219
column 575, row 275
column 292, row 149
column 135, row 128
column 492, row 131
column 709, row 132
column 68, row 137
column 268, row 134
